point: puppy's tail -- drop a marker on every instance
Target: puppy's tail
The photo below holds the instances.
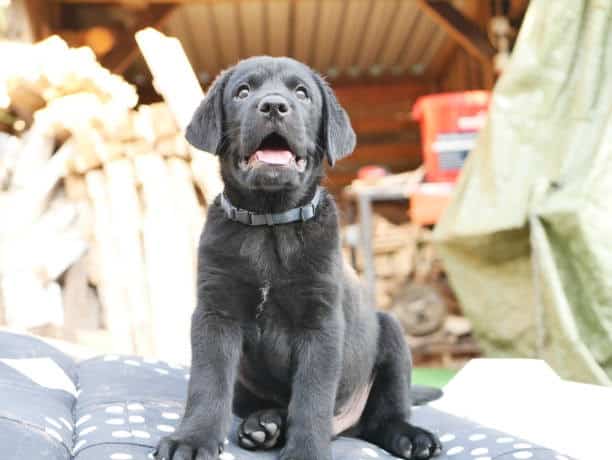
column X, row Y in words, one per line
column 422, row 394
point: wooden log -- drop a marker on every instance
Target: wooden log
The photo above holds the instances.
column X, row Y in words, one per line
column 29, row 302
column 112, row 295
column 176, row 81
column 26, row 204
column 168, row 247
column 174, row 145
column 9, row 152
column 36, row 150
column 82, row 309
column 187, row 201
column 126, row 226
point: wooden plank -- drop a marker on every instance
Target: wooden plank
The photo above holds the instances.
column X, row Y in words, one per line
column 323, row 44
column 108, row 258
column 192, row 213
column 354, row 23
column 125, row 49
column 372, row 94
column 465, row 31
column 82, row 309
column 177, row 83
column 252, row 19
column 278, row 28
column 407, row 14
column 169, row 251
column 224, row 16
column 125, row 227
column 377, row 30
column 305, row 26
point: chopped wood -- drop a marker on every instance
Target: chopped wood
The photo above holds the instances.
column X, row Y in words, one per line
column 168, row 246
column 126, row 227
column 82, row 309
column 108, row 260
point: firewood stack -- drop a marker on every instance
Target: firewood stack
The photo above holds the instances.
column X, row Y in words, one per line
column 101, row 208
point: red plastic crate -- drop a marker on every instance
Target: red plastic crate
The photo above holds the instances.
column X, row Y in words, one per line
column 449, row 126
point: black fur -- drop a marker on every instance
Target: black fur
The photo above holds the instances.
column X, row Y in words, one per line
column 280, row 333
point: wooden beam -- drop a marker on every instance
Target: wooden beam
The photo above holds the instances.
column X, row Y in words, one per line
column 40, row 15
column 126, row 50
column 463, row 30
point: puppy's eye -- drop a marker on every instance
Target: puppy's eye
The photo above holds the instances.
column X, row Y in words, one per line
column 301, row 93
column 243, row 92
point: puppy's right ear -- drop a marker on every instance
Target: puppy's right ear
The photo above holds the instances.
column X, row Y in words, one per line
column 206, row 127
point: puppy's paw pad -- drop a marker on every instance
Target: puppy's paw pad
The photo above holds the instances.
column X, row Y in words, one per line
column 261, row 430
column 411, row 442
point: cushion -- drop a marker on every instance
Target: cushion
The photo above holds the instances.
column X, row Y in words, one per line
column 117, row 408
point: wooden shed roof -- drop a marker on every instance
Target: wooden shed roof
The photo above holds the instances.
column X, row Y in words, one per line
column 342, row 39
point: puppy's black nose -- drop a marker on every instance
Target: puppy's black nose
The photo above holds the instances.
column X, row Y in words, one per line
column 273, row 105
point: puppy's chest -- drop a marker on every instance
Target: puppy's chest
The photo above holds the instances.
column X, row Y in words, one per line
column 267, row 337
column 273, row 251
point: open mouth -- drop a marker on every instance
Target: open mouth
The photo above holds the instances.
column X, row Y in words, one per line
column 274, row 150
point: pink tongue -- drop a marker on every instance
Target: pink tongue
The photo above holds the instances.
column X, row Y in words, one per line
column 274, row 157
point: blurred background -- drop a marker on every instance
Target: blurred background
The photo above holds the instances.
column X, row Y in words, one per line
column 102, row 201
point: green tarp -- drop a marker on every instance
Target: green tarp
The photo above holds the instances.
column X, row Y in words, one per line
column 527, row 239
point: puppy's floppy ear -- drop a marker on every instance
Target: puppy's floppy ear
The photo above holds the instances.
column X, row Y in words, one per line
column 206, row 127
column 338, row 134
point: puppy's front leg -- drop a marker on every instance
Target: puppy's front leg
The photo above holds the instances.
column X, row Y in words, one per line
column 316, row 361
column 216, row 343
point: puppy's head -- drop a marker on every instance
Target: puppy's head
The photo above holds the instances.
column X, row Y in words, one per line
column 273, row 122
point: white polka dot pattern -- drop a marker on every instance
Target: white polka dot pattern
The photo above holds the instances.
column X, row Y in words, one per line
column 477, row 437
column 522, row 445
column 83, row 419
column 115, row 421
column 447, row 437
column 67, row 424
column 165, row 428
column 170, row 415
column 114, row 410
column 522, row 455
column 87, row 430
column 136, row 419
column 161, row 371
column 121, row 434
column 78, row 445
column 479, row 451
column 454, row 451
column 141, row 434
column 131, row 362
column 54, row 434
column 226, row 456
column 121, row 456
column 135, row 407
column 504, row 440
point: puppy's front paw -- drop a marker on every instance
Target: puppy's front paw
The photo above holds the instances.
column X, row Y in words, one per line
column 177, row 447
column 262, row 429
column 408, row 441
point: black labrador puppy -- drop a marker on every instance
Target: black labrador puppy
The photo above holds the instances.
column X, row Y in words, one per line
column 281, row 334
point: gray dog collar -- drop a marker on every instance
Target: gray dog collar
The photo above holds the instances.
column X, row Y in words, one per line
column 245, row 217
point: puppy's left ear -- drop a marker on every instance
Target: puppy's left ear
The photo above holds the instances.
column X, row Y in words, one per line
column 206, row 127
column 338, row 134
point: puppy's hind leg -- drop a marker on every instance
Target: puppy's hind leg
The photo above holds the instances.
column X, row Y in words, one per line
column 385, row 419
column 264, row 422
